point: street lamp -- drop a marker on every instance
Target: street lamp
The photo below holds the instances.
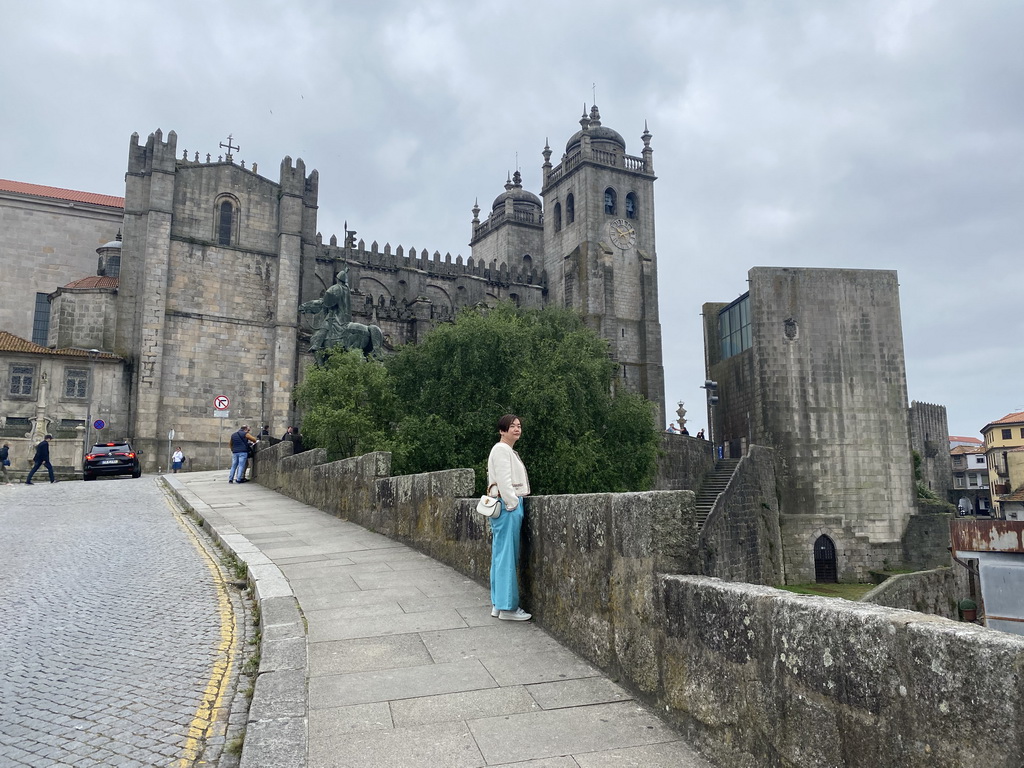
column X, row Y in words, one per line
column 93, row 354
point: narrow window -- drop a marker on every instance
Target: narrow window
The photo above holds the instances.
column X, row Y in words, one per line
column 22, row 379
column 631, row 206
column 609, row 201
column 558, row 217
column 570, row 209
column 76, row 383
column 226, row 223
column 41, row 320
column 825, row 560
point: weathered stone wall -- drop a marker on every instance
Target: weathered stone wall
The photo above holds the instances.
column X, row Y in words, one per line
column 683, row 462
column 926, row 541
column 763, row 678
column 85, row 318
column 740, row 540
column 933, row 592
column 929, row 436
column 758, row 678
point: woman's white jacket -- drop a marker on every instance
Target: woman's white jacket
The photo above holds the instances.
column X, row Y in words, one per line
column 505, row 468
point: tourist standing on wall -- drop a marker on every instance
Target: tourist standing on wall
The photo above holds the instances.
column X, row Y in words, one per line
column 41, row 458
column 506, row 470
column 240, row 454
column 177, row 459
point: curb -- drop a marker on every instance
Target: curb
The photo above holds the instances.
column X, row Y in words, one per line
column 276, row 729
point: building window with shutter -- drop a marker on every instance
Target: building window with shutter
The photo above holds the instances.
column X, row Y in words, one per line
column 22, row 381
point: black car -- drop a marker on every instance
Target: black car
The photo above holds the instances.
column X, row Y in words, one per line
column 111, row 459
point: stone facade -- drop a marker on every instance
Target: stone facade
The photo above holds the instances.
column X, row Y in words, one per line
column 813, row 366
column 929, row 437
column 48, row 236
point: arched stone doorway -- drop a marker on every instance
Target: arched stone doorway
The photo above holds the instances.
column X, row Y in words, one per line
column 825, row 570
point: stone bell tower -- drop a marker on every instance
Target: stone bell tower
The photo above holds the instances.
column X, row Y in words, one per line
column 599, row 248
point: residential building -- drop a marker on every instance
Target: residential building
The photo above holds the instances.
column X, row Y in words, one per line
column 1004, row 452
column 970, row 479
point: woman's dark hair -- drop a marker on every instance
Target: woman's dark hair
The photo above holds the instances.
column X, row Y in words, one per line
column 506, row 421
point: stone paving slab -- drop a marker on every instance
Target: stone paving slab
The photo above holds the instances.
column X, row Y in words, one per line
column 404, row 665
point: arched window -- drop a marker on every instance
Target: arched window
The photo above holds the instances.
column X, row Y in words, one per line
column 631, row 205
column 570, row 209
column 825, row 570
column 558, row 217
column 227, row 221
column 609, row 201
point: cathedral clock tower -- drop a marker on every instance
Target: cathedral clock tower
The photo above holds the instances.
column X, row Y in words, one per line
column 599, row 251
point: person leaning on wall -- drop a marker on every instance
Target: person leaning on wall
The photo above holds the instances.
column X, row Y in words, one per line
column 506, row 470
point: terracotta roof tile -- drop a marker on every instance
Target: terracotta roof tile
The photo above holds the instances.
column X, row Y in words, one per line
column 970, row 440
column 1011, row 418
column 968, row 449
column 94, row 281
column 1017, row 495
column 56, row 193
column 11, row 343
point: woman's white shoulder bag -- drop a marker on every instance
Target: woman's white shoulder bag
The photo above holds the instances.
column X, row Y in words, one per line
column 488, row 505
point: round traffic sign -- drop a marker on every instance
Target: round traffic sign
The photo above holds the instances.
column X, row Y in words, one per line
column 221, row 402
column 99, row 424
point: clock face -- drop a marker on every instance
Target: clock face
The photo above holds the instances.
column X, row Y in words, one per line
column 622, row 234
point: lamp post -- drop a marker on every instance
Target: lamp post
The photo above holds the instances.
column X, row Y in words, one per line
column 93, row 354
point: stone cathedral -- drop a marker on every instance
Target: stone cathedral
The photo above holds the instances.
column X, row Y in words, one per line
column 216, row 259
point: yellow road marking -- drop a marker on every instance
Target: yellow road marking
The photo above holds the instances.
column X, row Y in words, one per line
column 211, row 712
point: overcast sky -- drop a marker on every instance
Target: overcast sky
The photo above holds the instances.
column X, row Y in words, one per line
column 881, row 134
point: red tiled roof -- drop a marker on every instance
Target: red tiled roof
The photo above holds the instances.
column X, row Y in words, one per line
column 1017, row 495
column 970, row 449
column 1010, row 418
column 11, row 343
column 56, row 193
column 970, row 440
column 94, row 281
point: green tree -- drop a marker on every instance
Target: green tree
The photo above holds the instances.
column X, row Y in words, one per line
column 444, row 396
column 349, row 404
column 547, row 367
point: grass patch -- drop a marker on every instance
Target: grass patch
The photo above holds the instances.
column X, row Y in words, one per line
column 234, row 747
column 854, row 591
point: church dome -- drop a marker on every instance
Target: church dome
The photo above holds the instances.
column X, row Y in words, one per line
column 599, row 134
column 521, row 199
column 111, row 244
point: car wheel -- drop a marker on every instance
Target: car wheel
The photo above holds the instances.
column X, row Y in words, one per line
column 137, row 473
column 88, row 476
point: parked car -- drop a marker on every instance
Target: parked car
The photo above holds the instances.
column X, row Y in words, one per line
column 111, row 459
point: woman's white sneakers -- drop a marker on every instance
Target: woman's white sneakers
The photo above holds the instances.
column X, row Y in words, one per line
column 517, row 615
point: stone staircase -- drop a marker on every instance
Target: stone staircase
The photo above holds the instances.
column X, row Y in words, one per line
column 714, row 483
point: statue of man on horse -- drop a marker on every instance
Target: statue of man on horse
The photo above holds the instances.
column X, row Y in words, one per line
column 336, row 328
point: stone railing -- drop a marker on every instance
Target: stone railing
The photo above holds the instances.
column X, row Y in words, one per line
column 753, row 675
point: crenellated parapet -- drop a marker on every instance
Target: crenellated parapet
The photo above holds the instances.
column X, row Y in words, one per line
column 387, row 260
column 155, row 155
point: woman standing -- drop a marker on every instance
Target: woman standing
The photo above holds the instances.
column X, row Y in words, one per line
column 507, row 471
column 177, row 459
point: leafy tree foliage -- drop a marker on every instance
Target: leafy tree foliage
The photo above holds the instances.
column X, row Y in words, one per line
column 444, row 397
column 349, row 405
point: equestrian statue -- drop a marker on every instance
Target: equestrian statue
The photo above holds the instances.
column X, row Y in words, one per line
column 336, row 327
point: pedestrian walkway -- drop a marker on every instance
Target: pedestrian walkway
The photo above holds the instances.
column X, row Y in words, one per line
column 403, row 664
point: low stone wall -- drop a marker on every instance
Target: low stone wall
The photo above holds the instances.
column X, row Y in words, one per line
column 757, row 677
column 926, row 540
column 683, row 461
column 933, row 592
column 762, row 678
column 740, row 540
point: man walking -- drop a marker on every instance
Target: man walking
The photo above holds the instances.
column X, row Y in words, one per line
column 42, row 457
column 5, row 462
column 240, row 454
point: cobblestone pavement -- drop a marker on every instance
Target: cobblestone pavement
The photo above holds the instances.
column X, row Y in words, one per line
column 118, row 635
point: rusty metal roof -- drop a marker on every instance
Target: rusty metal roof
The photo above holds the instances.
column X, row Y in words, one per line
column 987, row 535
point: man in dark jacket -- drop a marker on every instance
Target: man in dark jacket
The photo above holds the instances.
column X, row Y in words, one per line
column 240, row 454
column 42, row 457
column 5, row 462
